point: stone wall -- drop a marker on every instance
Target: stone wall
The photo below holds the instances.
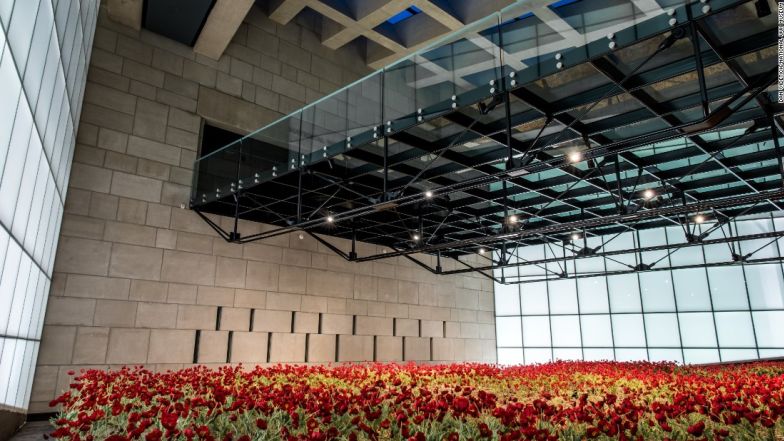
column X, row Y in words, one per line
column 138, row 280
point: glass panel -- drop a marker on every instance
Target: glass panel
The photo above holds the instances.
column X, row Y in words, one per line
column 657, row 292
column 771, row 353
column 597, row 331
column 563, row 296
column 598, row 354
column 631, row 354
column 20, row 30
column 534, row 298
column 624, row 293
column 567, row 354
column 592, row 292
column 735, row 329
column 697, row 330
column 769, row 326
column 728, row 287
column 701, row 356
column 738, row 354
column 665, row 355
column 536, row 332
column 691, row 289
column 510, row 356
column 538, row 355
column 758, row 248
column 508, row 331
column 566, row 331
column 662, row 330
column 507, row 299
column 628, row 330
column 766, row 286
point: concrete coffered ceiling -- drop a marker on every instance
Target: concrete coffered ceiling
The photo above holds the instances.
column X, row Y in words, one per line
column 344, row 21
column 363, row 23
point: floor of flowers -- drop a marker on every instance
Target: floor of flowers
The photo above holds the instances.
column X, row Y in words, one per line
column 562, row 400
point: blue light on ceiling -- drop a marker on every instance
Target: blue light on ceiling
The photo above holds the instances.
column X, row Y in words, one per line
column 404, row 14
column 522, row 17
column 560, row 3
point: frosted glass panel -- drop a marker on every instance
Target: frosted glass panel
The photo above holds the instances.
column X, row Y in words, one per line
column 735, row 330
column 508, row 331
column 533, row 298
column 656, row 354
column 701, row 356
column 624, row 293
column 628, row 330
column 691, row 289
column 662, row 330
column 567, row 354
column 566, row 331
column 738, row 354
column 733, row 311
column 510, row 356
column 770, row 329
column 597, row 331
column 631, row 354
column 597, row 354
column 563, row 296
column 37, row 119
column 507, row 300
column 536, row 331
column 766, row 286
column 537, row 355
column 657, row 291
column 697, row 330
column 593, row 295
column 728, row 287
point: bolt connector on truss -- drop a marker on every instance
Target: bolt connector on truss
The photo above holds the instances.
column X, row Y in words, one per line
column 739, row 257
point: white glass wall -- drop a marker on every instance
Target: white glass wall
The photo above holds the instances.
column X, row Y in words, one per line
column 44, row 52
column 691, row 315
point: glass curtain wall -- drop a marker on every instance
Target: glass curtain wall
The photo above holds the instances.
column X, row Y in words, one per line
column 44, row 51
column 689, row 315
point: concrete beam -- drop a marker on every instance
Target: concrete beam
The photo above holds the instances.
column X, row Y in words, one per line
column 126, row 12
column 283, row 11
column 223, row 22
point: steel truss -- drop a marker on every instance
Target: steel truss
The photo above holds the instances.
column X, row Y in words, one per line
column 462, row 216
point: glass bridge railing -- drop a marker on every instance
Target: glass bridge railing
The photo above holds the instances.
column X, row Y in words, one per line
column 512, row 47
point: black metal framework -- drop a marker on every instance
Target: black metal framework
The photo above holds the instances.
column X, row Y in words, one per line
column 668, row 121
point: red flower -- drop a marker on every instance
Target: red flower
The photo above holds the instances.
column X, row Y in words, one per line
column 154, row 435
column 696, row 429
column 169, row 420
column 460, row 403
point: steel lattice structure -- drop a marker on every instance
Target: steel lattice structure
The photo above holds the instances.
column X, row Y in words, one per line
column 663, row 113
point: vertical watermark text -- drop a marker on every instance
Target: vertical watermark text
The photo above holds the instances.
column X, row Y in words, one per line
column 780, row 12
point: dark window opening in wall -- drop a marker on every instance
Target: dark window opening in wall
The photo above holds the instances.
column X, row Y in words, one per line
column 180, row 20
column 261, row 155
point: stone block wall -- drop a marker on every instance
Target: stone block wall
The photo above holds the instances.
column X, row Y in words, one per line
column 139, row 280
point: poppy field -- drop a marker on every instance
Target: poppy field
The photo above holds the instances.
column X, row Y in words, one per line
column 555, row 401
